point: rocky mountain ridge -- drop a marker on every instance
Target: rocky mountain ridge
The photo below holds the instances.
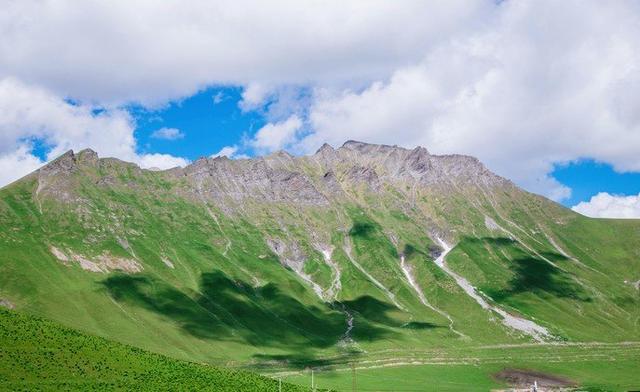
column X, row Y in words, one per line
column 358, row 249
column 281, row 177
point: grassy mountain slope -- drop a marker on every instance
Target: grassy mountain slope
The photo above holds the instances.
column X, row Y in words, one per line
column 37, row 354
column 284, row 261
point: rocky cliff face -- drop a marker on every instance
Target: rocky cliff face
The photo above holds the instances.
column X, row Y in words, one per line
column 329, row 173
column 280, row 177
column 355, row 175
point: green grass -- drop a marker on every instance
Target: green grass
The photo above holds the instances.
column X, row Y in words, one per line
column 230, row 301
column 592, row 368
column 592, row 376
column 41, row 355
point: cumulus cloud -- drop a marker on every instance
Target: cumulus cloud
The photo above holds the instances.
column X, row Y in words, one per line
column 17, row 164
column 604, row 205
column 150, row 52
column 167, row 134
column 276, row 136
column 28, row 111
column 157, row 161
column 523, row 84
column 530, row 89
column 253, row 96
column 227, row 151
column 33, row 113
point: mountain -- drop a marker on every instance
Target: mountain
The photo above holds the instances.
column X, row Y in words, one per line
column 281, row 262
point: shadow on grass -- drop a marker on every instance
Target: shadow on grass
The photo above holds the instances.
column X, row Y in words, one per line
column 299, row 361
column 531, row 273
column 226, row 309
column 362, row 229
column 421, row 325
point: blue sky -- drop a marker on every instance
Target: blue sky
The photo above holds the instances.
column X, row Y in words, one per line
column 213, row 118
column 209, row 120
column 209, row 124
column 537, row 90
column 586, row 178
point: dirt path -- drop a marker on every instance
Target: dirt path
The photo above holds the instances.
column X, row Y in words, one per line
column 568, row 353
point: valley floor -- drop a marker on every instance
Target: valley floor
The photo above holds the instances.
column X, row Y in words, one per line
column 589, row 366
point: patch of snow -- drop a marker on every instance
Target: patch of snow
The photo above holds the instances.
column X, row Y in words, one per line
column 336, row 285
column 227, row 247
column 490, row 223
column 167, row 262
column 408, row 273
column 528, row 327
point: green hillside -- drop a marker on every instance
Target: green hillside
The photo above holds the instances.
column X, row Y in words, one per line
column 37, row 354
column 363, row 253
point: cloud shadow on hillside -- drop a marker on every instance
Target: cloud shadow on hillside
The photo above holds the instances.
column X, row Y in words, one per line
column 362, row 229
column 532, row 273
column 233, row 310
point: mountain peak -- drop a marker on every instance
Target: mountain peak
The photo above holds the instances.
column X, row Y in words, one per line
column 87, row 151
column 64, row 162
column 419, row 150
column 357, row 145
column 281, row 154
column 325, row 148
column 87, row 156
column 369, row 148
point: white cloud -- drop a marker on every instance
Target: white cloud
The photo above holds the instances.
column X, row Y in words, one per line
column 167, row 134
column 253, row 96
column 28, row 112
column 520, row 84
column 529, row 89
column 159, row 161
column 218, row 97
column 275, row 136
column 227, row 151
column 33, row 112
column 604, row 205
column 154, row 51
column 17, row 164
